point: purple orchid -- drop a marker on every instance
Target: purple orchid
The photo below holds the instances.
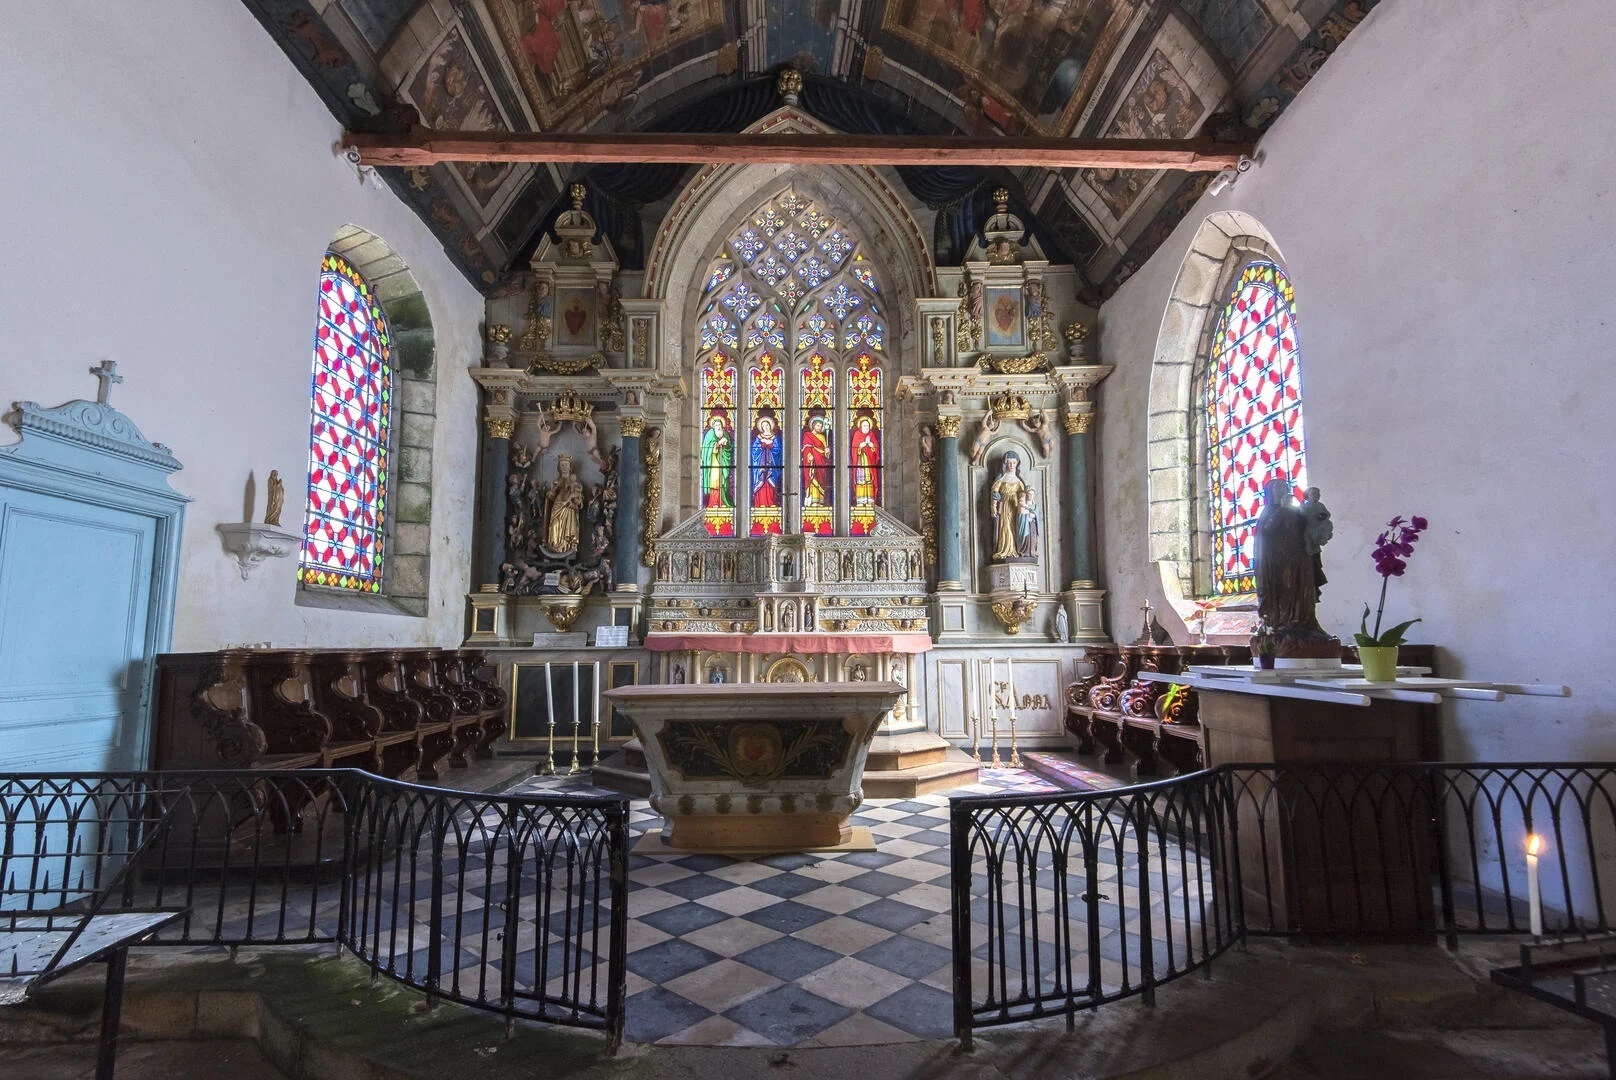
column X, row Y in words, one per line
column 1393, row 548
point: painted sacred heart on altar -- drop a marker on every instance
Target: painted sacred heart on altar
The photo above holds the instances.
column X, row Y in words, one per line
column 575, row 316
column 754, row 750
column 1004, row 316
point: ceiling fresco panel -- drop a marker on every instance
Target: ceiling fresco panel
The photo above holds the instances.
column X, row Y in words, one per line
column 450, row 90
column 1236, row 27
column 1028, row 64
column 576, row 58
column 1160, row 105
column 802, row 33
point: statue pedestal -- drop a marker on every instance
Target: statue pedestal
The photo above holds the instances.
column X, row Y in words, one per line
column 1014, row 577
column 761, row 767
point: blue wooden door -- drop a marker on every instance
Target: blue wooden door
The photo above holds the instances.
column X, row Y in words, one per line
column 76, row 593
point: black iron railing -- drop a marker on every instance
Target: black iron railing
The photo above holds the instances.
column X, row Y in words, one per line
column 515, row 904
column 1064, row 902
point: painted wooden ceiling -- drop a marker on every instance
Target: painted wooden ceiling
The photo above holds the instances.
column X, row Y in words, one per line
column 1084, row 68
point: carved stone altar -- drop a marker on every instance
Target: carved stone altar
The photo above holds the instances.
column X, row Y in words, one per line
column 755, row 769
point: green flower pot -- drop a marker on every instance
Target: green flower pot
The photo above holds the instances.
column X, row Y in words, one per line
column 1379, row 662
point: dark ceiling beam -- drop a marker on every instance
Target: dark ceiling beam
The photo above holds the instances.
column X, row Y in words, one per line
column 423, row 147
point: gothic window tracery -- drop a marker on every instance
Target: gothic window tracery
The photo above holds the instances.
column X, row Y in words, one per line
column 1253, row 415
column 351, row 410
column 792, row 339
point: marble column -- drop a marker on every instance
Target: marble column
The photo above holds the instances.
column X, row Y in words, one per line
column 1079, row 511
column 493, row 469
column 626, row 554
column 948, row 503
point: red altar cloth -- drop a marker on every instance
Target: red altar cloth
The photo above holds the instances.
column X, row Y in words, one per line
column 783, row 643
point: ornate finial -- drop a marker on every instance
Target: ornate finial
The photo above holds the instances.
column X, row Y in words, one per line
column 1077, row 332
column 499, row 335
column 789, row 84
column 1001, row 197
column 577, row 192
column 569, row 406
column 1010, row 406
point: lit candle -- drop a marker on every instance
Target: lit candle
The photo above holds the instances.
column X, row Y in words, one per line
column 1534, row 896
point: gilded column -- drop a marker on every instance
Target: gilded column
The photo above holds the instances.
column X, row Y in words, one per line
column 1079, row 511
column 626, row 556
column 948, row 503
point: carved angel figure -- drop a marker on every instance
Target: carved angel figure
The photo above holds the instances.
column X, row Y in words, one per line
column 984, row 435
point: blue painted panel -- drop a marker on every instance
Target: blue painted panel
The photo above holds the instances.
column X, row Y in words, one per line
column 75, row 593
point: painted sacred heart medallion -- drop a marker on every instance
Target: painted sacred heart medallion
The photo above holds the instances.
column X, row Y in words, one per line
column 754, row 751
column 575, row 317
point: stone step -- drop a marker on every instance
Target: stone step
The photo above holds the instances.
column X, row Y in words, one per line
column 619, row 773
column 956, row 770
column 911, row 750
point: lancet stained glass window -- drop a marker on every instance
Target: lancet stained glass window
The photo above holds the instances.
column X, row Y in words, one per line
column 1254, row 416
column 349, row 429
column 791, row 312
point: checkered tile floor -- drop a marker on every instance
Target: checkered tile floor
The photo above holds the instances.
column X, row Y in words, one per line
column 795, row 950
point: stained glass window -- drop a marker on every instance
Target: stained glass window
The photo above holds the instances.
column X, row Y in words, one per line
column 864, row 441
column 1254, row 416
column 766, row 448
column 718, row 446
column 790, row 316
column 351, row 420
column 817, row 453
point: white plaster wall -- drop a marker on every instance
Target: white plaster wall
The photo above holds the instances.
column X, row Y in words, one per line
column 169, row 189
column 1442, row 196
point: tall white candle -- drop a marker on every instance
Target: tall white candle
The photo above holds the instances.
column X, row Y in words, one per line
column 549, row 691
column 575, row 717
column 594, row 709
column 1534, row 895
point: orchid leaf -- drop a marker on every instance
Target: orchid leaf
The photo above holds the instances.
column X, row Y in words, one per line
column 1394, row 635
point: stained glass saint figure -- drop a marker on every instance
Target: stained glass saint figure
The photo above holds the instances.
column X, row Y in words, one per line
column 865, row 445
column 768, row 463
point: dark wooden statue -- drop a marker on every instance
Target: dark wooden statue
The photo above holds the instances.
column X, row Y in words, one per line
column 1290, row 571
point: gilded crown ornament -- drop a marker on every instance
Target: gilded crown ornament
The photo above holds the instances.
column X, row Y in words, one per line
column 498, row 334
column 1010, row 407
column 569, row 406
column 789, row 84
column 1077, row 332
column 577, row 193
column 1001, row 199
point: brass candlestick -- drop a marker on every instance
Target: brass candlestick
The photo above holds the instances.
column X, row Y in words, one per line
column 1015, row 755
column 996, row 763
column 976, row 738
column 550, row 747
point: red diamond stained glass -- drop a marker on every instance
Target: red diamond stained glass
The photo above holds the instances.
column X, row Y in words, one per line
column 1254, row 416
column 351, row 419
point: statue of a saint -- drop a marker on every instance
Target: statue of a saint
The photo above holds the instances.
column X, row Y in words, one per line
column 1319, row 531
column 561, row 505
column 1063, row 625
column 1286, row 555
column 717, row 462
column 1007, row 491
column 1026, row 526
column 277, row 499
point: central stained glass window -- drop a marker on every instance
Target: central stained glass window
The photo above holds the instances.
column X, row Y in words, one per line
column 791, row 344
column 352, row 412
column 1254, row 416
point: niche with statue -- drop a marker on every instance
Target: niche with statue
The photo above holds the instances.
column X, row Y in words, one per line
column 561, row 504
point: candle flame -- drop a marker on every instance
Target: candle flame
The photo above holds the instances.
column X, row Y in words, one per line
column 1534, row 845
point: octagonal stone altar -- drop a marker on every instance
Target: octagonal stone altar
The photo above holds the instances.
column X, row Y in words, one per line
column 760, row 767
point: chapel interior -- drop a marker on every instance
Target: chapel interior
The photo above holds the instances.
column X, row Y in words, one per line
column 612, row 400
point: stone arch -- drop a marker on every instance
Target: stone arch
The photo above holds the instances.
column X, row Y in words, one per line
column 406, row 581
column 714, row 204
column 1176, row 455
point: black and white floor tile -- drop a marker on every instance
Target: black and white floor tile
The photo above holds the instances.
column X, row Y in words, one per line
column 800, row 950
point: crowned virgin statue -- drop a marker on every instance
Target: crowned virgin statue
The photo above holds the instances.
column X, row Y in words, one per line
column 562, row 504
